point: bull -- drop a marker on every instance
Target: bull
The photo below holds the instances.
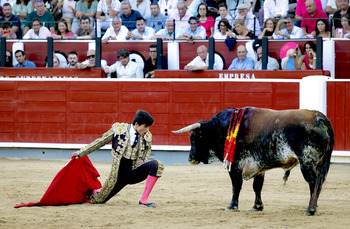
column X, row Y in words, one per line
column 267, row 139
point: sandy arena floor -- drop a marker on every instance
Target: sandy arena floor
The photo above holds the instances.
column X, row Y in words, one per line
column 186, row 196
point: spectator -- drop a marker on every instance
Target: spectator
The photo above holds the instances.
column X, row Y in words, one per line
column 116, row 32
column 56, row 62
column 38, row 31
column 143, row 6
column 332, row 7
column 22, row 61
column 15, row 22
column 343, row 9
column 129, row 15
column 11, row 2
column 301, row 9
column 45, row 17
column 223, row 15
column 240, row 31
column 308, row 24
column 67, row 8
column 232, row 6
column 192, row 6
column 125, row 68
column 201, row 62
column 72, row 59
column 194, row 32
column 90, row 62
column 168, row 33
column 213, row 7
column 290, row 62
column 343, row 32
column 250, row 21
column 21, row 9
column 62, row 32
column 308, row 60
column 181, row 15
column 106, row 10
column 272, row 63
column 268, row 29
column 157, row 20
column 142, row 32
column 224, row 30
column 86, row 8
column 151, row 63
column 85, row 31
column 167, row 7
column 274, row 9
column 8, row 62
column 205, row 20
column 242, row 62
column 290, row 30
column 322, row 29
column 6, row 32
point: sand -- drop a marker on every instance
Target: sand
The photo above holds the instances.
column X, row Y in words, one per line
column 187, row 196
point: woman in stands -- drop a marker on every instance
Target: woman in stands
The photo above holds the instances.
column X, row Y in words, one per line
column 67, row 8
column 269, row 28
column 343, row 32
column 308, row 60
column 322, row 29
column 63, row 32
column 56, row 62
column 240, row 31
column 205, row 20
column 224, row 29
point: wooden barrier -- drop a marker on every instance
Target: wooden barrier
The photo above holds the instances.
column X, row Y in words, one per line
column 42, row 72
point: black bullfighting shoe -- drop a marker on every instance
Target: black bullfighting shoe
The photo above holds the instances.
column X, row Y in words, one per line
column 150, row 205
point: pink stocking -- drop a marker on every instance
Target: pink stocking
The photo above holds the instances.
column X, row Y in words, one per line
column 150, row 182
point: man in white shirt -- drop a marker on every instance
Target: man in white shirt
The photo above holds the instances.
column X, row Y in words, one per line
column 142, row 32
column 201, row 62
column 90, row 62
column 181, row 15
column 106, row 10
column 143, row 6
column 223, row 15
column 117, row 31
column 272, row 63
column 38, row 31
column 275, row 9
column 125, row 68
column 290, row 30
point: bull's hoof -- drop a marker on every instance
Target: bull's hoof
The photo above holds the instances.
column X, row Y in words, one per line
column 258, row 208
column 234, row 209
column 310, row 211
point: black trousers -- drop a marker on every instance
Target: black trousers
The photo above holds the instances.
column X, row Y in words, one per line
column 128, row 176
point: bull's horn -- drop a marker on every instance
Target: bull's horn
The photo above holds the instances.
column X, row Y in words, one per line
column 187, row 128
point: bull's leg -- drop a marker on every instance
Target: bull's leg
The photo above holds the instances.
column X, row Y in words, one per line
column 257, row 186
column 310, row 176
column 237, row 180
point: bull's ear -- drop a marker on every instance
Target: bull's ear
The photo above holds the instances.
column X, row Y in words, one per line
column 187, row 128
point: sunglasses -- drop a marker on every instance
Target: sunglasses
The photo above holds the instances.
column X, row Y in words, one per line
column 91, row 56
column 166, row 12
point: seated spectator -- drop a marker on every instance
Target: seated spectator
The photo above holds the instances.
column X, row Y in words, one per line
column 129, row 15
column 62, row 32
column 242, row 62
column 272, row 63
column 232, row 6
column 201, row 62
column 205, row 20
column 143, row 6
column 308, row 24
column 38, row 31
column 125, row 68
column 90, row 62
column 223, row 15
column 192, row 6
column 86, row 31
column 167, row 7
column 290, row 30
column 301, row 9
column 106, row 10
column 13, row 20
column 56, row 62
column 45, row 17
column 268, row 29
column 116, row 32
column 181, row 15
column 67, row 8
column 213, row 7
column 344, row 31
column 250, row 21
column 6, row 32
column 8, row 62
column 142, row 32
column 343, row 9
column 332, row 7
column 224, row 30
column 21, row 8
column 322, row 29
column 290, row 62
column 168, row 33
column 240, row 31
column 274, row 9
column 157, row 20
column 22, row 61
column 86, row 8
column 151, row 63
column 194, row 31
column 72, row 59
column 308, row 60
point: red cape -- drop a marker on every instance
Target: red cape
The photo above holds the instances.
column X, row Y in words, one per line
column 71, row 185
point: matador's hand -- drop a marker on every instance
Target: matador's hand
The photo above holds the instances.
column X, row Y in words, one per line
column 74, row 155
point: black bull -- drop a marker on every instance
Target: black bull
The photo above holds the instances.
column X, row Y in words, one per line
column 268, row 139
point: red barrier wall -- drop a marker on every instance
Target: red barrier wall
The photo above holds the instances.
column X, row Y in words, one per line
column 80, row 111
